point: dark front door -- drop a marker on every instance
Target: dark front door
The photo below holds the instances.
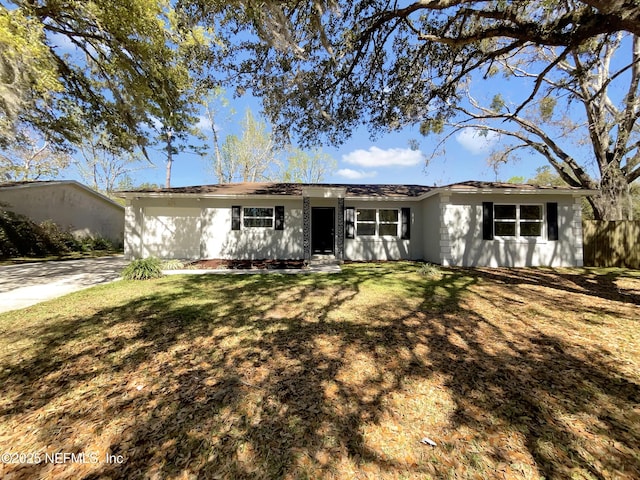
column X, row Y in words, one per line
column 322, row 230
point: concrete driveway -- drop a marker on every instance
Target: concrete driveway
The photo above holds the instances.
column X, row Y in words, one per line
column 30, row 283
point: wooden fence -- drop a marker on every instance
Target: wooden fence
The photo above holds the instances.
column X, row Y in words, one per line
column 611, row 244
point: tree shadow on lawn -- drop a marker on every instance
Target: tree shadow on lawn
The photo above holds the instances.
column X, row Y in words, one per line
column 596, row 282
column 295, row 377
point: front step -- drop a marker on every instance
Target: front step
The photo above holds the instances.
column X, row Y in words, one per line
column 324, row 260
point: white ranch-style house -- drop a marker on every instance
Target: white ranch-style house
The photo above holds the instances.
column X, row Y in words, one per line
column 463, row 224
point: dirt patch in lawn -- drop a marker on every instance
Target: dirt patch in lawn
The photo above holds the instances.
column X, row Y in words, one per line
column 247, row 264
column 513, row 373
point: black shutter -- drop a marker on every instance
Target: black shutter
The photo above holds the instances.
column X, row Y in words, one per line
column 279, row 218
column 405, row 233
column 487, row 220
column 349, row 222
column 235, row 217
column 552, row 221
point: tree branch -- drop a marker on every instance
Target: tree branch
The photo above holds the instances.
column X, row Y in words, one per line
column 631, row 111
column 567, row 159
column 634, row 175
column 541, row 79
column 540, row 147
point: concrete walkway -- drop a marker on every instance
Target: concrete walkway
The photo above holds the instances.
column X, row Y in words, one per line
column 26, row 284
column 328, row 268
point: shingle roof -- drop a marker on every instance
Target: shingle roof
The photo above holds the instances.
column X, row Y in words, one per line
column 27, row 183
column 352, row 190
column 295, row 189
column 504, row 186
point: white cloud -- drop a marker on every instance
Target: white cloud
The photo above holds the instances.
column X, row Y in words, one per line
column 376, row 157
column 204, row 123
column 476, row 142
column 62, row 42
column 355, row 174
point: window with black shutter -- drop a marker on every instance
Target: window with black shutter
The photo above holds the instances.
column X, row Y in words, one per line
column 552, row 221
column 350, row 222
column 405, row 233
column 487, row 220
column 279, row 225
column 235, row 217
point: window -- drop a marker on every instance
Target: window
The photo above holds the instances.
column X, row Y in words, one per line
column 505, row 218
column 259, row 217
column 530, row 220
column 517, row 220
column 371, row 222
column 388, row 223
column 365, row 222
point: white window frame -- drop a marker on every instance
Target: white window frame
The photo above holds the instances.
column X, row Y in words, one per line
column 377, row 223
column 517, row 222
column 244, row 217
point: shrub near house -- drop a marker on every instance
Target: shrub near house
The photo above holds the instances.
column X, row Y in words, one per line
column 22, row 237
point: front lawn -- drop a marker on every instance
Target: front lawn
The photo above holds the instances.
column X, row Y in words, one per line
column 531, row 374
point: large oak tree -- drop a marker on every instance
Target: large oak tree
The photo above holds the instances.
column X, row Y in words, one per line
column 325, row 67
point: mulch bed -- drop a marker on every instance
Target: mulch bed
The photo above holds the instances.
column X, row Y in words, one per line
column 247, row 264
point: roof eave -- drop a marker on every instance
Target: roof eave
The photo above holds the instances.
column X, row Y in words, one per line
column 383, row 199
column 520, row 191
column 138, row 195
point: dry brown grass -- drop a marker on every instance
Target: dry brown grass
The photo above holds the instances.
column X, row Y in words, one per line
column 513, row 373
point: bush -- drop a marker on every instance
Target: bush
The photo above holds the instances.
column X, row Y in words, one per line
column 61, row 240
column 430, row 270
column 22, row 237
column 143, row 269
column 173, row 265
column 90, row 244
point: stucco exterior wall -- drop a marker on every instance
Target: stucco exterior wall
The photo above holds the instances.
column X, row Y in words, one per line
column 190, row 228
column 462, row 244
column 431, row 228
column 219, row 241
column 171, row 232
column 70, row 206
column 133, row 230
column 387, row 248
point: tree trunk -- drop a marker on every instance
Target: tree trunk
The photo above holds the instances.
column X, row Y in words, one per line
column 614, row 201
column 169, row 161
column 216, row 146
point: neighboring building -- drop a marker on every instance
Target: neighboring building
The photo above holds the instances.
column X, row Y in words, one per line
column 69, row 204
column 465, row 224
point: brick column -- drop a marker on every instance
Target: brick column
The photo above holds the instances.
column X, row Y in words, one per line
column 340, row 230
column 306, row 227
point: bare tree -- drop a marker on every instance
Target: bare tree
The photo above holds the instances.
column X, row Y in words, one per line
column 104, row 168
column 213, row 105
column 251, row 157
column 307, row 167
column 31, row 158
